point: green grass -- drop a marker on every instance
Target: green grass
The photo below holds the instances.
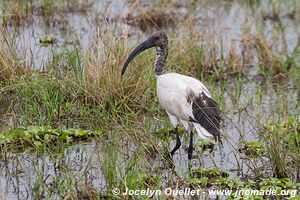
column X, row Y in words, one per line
column 283, row 137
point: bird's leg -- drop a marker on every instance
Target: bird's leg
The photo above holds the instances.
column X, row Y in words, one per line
column 190, row 151
column 169, row 155
column 178, row 143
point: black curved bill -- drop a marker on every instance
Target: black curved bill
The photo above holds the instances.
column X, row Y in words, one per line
column 139, row 49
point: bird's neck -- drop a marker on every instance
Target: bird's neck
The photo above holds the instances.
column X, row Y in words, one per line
column 161, row 56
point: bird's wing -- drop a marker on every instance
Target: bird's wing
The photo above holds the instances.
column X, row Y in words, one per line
column 195, row 85
column 188, row 99
column 205, row 112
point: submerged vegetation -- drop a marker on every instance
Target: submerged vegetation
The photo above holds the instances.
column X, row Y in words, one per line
column 72, row 128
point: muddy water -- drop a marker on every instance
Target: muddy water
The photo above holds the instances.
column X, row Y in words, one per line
column 21, row 172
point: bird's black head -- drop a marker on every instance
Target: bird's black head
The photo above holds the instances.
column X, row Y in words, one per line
column 158, row 39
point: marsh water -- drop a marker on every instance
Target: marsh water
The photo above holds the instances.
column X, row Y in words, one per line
column 21, row 172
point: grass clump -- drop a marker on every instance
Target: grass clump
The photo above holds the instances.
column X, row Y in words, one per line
column 17, row 13
column 41, row 99
column 166, row 16
column 279, row 66
column 102, row 75
column 11, row 62
column 282, row 142
column 79, row 87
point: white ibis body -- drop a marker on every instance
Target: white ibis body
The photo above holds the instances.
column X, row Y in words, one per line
column 184, row 98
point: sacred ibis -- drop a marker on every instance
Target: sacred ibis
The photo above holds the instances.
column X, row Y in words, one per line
column 184, row 98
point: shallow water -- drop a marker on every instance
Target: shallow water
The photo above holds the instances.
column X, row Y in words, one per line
column 82, row 164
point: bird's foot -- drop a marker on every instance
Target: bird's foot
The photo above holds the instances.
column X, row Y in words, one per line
column 193, row 156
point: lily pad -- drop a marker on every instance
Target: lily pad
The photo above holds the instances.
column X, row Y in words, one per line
column 47, row 40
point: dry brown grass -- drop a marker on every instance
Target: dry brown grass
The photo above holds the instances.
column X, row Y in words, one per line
column 268, row 61
column 14, row 14
column 156, row 18
column 102, row 71
column 204, row 56
column 10, row 63
column 18, row 13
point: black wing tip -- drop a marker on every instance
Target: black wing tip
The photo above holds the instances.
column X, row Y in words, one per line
column 217, row 137
column 207, row 114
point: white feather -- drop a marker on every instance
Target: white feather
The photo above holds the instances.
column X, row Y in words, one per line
column 202, row 132
column 172, row 91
